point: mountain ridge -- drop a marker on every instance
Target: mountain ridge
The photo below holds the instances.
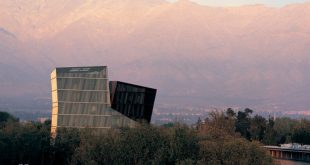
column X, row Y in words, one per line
column 184, row 49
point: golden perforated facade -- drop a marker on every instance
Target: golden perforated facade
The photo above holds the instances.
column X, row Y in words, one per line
column 81, row 99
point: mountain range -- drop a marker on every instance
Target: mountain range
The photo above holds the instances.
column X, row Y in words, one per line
column 251, row 55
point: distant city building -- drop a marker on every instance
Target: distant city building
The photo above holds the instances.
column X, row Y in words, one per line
column 81, row 99
column 42, row 119
column 133, row 101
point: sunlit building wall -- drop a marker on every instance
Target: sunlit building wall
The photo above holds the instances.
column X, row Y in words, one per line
column 81, row 99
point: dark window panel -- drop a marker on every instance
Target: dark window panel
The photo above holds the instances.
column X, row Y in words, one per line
column 136, row 102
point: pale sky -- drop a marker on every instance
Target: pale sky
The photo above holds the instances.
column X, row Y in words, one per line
column 275, row 3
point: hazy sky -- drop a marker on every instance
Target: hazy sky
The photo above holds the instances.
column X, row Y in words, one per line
column 276, row 3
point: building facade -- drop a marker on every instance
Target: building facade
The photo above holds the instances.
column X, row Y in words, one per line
column 81, row 99
column 133, row 101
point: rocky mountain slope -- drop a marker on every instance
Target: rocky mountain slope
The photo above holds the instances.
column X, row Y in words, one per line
column 242, row 56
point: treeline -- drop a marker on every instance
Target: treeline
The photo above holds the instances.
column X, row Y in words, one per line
column 211, row 143
column 224, row 137
column 268, row 131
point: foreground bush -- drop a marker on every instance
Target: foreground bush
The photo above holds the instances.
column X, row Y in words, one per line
column 220, row 144
column 175, row 145
column 214, row 142
column 142, row 145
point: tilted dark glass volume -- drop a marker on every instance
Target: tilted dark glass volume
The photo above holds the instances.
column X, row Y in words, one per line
column 133, row 101
column 81, row 99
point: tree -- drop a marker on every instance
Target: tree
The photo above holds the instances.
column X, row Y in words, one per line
column 66, row 142
column 183, row 144
column 219, row 143
column 243, row 123
column 144, row 144
column 270, row 134
column 24, row 143
column 230, row 113
column 284, row 127
column 218, row 121
column 199, row 123
column 258, row 127
column 6, row 117
column 301, row 132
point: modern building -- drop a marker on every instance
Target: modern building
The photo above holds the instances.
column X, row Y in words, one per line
column 133, row 101
column 81, row 99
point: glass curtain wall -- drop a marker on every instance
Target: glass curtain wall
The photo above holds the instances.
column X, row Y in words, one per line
column 81, row 99
column 133, row 101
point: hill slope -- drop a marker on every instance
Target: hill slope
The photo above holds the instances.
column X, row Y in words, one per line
column 242, row 56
